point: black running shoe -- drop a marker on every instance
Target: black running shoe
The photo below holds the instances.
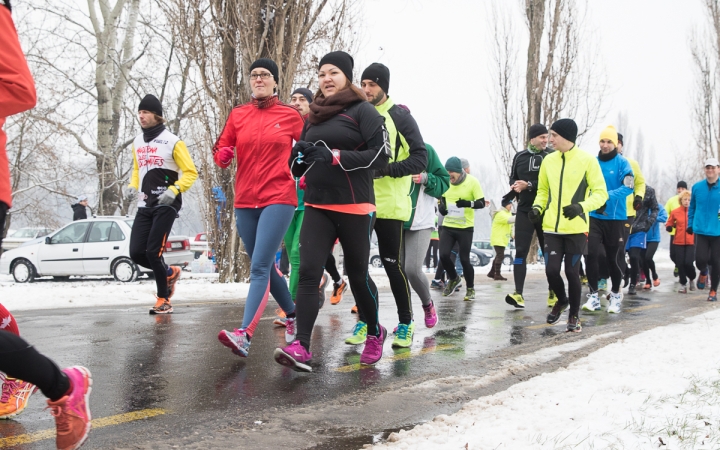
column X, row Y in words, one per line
column 556, row 312
column 631, row 290
column 573, row 324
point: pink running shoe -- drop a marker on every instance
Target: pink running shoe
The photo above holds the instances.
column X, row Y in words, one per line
column 290, row 330
column 71, row 412
column 294, row 356
column 236, row 340
column 373, row 348
column 431, row 318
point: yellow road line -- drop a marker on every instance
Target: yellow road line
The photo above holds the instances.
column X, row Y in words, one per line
column 641, row 308
column 397, row 357
column 13, row 441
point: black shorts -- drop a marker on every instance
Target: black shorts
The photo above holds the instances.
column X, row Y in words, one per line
column 610, row 232
column 569, row 244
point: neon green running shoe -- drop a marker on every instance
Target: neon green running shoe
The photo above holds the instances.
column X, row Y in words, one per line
column 450, row 286
column 552, row 299
column 359, row 334
column 515, row 300
column 470, row 295
column 404, row 335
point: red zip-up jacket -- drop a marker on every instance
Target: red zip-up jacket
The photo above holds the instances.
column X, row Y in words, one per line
column 263, row 139
column 17, row 91
column 679, row 219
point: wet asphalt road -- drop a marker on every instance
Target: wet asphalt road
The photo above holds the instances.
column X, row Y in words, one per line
column 202, row 396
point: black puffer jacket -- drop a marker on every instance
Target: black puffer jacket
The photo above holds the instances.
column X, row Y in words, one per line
column 79, row 212
column 648, row 212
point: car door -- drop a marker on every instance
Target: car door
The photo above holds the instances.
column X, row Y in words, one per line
column 64, row 252
column 103, row 245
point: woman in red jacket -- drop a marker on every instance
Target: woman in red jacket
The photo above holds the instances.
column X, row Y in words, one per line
column 683, row 243
column 260, row 135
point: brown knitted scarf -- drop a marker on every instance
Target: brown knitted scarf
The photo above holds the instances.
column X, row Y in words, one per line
column 266, row 102
column 324, row 108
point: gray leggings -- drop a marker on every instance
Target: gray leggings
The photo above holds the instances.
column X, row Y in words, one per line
column 416, row 244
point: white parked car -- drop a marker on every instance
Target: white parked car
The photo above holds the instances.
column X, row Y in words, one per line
column 97, row 246
column 23, row 235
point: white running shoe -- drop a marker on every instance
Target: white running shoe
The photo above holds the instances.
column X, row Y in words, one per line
column 290, row 330
column 593, row 303
column 615, row 301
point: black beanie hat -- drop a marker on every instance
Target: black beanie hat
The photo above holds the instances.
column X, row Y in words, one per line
column 682, row 184
column 269, row 64
column 305, row 92
column 566, row 128
column 620, row 139
column 536, row 130
column 341, row 60
column 152, row 104
column 379, row 74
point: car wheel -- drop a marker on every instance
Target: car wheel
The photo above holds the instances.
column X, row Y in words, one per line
column 61, row 278
column 474, row 260
column 507, row 260
column 125, row 270
column 376, row 262
column 23, row 271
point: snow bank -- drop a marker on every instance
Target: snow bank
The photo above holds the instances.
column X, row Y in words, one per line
column 657, row 389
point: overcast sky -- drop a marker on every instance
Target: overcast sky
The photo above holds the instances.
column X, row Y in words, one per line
column 438, row 53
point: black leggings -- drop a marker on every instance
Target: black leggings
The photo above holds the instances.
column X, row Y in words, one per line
column 440, row 272
column 635, row 258
column 648, row 264
column 331, row 268
column 524, row 230
column 463, row 237
column 605, row 234
column 390, row 243
column 568, row 248
column 18, row 359
column 685, row 257
column 432, row 253
column 320, row 229
column 147, row 242
column 707, row 252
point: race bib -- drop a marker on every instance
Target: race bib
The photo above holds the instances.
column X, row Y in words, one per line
column 456, row 215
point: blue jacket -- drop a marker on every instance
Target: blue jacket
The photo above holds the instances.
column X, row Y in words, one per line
column 615, row 171
column 704, row 209
column 653, row 235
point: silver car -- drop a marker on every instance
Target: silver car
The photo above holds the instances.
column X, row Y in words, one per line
column 24, row 235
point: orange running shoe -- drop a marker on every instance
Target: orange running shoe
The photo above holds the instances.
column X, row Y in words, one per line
column 338, row 291
column 172, row 279
column 14, row 397
column 280, row 319
column 72, row 412
column 162, row 306
column 354, row 309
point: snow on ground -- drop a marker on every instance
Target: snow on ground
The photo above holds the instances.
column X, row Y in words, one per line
column 657, row 389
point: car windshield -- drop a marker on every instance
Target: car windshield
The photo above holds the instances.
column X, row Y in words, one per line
column 24, row 233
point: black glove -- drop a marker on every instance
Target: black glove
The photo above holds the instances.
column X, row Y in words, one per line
column 463, row 204
column 534, row 216
column 380, row 173
column 637, row 203
column 572, row 211
column 317, row 154
column 442, row 207
column 689, row 230
column 300, row 147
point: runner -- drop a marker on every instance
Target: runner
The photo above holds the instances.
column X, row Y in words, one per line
column 458, row 205
column 21, row 366
column 704, row 221
column 634, row 200
column 684, row 242
column 341, row 146
column 607, row 228
column 653, row 241
column 570, row 185
column 158, row 157
column 502, row 223
column 427, row 187
column 260, row 134
column 637, row 241
column 673, row 203
column 523, row 182
column 393, row 185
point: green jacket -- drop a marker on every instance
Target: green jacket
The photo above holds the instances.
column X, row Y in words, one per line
column 462, row 217
column 565, row 178
column 438, row 181
column 408, row 157
column 501, row 231
column 672, row 204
